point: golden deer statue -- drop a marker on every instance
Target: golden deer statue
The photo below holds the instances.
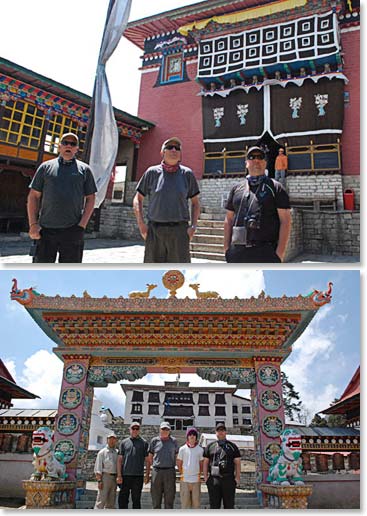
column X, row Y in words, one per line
column 203, row 295
column 142, row 294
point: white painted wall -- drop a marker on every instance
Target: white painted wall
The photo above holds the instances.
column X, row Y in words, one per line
column 98, row 430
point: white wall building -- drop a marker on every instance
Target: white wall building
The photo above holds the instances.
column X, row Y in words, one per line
column 98, row 431
column 184, row 406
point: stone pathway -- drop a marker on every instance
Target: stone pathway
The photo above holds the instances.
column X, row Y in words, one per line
column 14, row 249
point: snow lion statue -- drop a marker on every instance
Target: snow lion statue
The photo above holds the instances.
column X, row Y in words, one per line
column 287, row 466
column 45, row 461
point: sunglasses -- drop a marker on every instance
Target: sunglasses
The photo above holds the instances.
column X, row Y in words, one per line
column 67, row 142
column 135, row 428
column 256, row 156
column 171, row 147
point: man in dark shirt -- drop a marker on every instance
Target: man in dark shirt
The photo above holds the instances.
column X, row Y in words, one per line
column 162, row 456
column 133, row 452
column 258, row 220
column 60, row 204
column 169, row 185
column 222, row 470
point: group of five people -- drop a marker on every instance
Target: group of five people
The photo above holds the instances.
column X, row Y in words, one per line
column 136, row 462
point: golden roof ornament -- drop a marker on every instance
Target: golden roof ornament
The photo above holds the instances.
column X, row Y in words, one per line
column 211, row 294
column 173, row 280
column 146, row 293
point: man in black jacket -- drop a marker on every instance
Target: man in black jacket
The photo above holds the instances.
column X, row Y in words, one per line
column 258, row 220
column 222, row 470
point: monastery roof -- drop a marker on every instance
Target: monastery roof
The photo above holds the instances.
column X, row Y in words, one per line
column 8, row 384
column 37, row 80
column 138, row 327
column 324, row 431
column 138, row 30
column 28, row 413
column 349, row 399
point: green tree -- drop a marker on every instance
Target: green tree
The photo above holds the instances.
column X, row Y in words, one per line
column 292, row 402
column 318, row 421
column 331, row 421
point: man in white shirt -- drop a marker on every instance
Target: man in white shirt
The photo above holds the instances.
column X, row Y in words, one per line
column 189, row 463
column 105, row 470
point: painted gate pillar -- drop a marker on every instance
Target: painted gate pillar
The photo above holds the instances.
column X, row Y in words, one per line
column 74, row 415
column 267, row 414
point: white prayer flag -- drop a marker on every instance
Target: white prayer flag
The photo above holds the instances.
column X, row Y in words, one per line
column 104, row 142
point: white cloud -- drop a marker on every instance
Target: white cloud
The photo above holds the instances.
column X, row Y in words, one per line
column 310, row 361
column 10, row 365
column 343, row 317
column 41, row 375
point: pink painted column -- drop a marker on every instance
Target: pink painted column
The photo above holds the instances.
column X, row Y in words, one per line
column 74, row 415
column 267, row 413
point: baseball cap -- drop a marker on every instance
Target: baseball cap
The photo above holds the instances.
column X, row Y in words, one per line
column 70, row 135
column 111, row 434
column 135, row 424
column 220, row 426
column 191, row 430
column 165, row 425
column 256, row 148
column 174, row 139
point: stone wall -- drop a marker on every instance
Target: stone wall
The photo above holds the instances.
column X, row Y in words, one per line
column 316, row 187
column 213, row 192
column 295, row 243
column 118, row 221
column 318, row 232
column 334, row 491
column 331, row 233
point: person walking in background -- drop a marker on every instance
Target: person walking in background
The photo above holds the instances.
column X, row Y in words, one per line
column 60, row 204
column 169, row 186
column 189, row 463
column 222, row 470
column 258, row 220
column 105, row 470
column 133, row 452
column 162, row 457
column 281, row 167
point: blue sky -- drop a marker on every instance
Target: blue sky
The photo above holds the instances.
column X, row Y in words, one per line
column 323, row 360
column 72, row 60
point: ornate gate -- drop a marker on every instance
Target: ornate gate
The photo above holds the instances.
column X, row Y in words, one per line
column 103, row 340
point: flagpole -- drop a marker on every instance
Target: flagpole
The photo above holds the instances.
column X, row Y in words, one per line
column 90, row 125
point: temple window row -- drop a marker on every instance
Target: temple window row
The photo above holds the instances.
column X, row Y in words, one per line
column 22, row 124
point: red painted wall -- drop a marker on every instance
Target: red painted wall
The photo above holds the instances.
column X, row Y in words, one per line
column 351, row 131
column 176, row 111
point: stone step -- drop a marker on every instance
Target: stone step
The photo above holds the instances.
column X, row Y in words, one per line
column 207, row 239
column 208, row 256
column 212, row 209
column 243, row 501
column 207, row 247
column 204, row 230
column 212, row 216
column 210, row 224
